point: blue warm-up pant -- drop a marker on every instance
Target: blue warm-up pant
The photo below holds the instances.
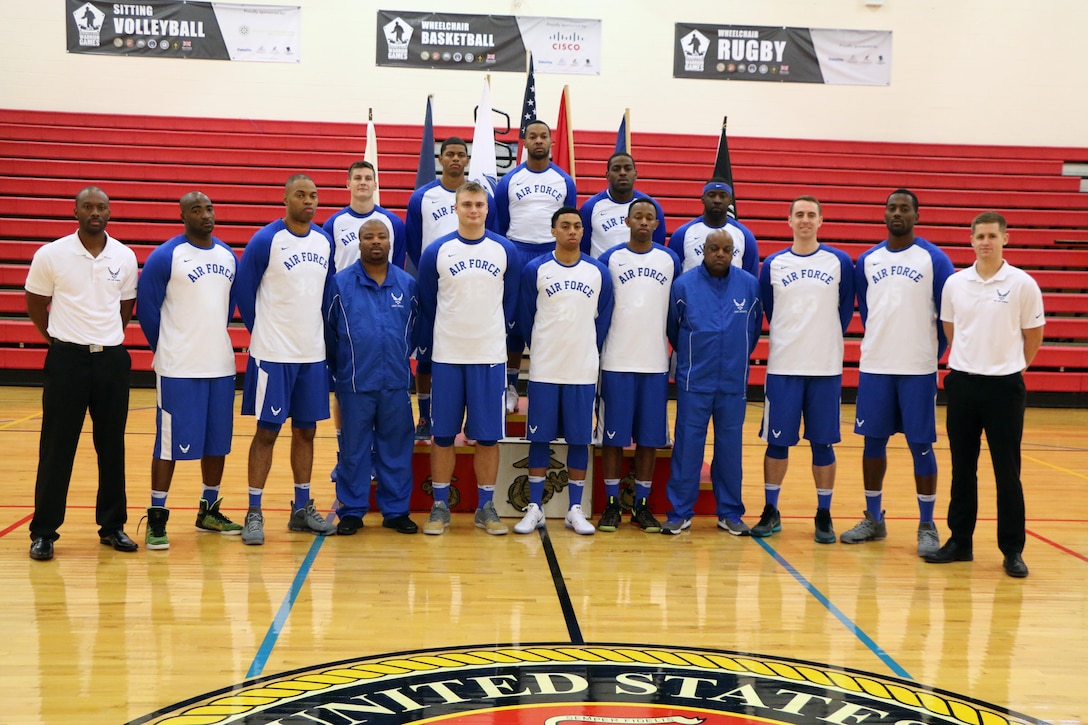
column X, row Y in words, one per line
column 693, row 413
column 378, row 434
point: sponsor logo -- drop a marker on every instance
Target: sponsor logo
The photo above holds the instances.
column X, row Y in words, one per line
column 88, row 21
column 694, row 46
column 397, row 34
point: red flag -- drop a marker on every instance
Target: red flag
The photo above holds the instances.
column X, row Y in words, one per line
column 563, row 144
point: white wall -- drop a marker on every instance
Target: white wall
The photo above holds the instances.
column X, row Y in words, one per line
column 964, row 71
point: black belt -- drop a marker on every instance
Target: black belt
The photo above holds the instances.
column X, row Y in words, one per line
column 88, row 348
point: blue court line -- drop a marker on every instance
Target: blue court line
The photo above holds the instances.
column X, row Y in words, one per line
column 273, row 634
column 857, row 632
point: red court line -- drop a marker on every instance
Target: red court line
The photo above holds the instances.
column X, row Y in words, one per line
column 16, row 525
column 1058, row 546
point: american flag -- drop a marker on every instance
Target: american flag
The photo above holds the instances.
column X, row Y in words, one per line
column 528, row 109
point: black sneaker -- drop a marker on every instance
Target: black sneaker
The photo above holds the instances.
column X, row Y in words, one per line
column 642, row 518
column 769, row 522
column 349, row 525
column 610, row 517
column 423, row 430
column 825, row 532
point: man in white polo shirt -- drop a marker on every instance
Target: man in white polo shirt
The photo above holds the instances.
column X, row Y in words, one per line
column 992, row 314
column 80, row 292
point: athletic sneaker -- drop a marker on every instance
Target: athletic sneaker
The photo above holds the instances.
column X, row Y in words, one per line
column 209, row 518
column 488, row 520
column 155, row 538
column 769, row 522
column 308, row 519
column 928, row 541
column 576, row 519
column 734, row 526
column 675, row 526
column 253, row 532
column 868, row 529
column 533, row 520
column 439, row 520
column 825, row 532
column 610, row 517
column 423, row 430
column 512, row 399
column 642, row 518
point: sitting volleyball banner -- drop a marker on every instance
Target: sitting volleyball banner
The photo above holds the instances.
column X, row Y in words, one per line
column 170, row 29
column 783, row 55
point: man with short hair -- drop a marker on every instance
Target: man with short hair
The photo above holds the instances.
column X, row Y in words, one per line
column 370, row 323
column 604, row 213
column 281, row 284
column 687, row 241
column 468, row 288
column 525, row 199
column 808, row 297
column 635, row 363
column 714, row 322
column 993, row 318
column 185, row 304
column 898, row 284
column 566, row 306
column 80, row 292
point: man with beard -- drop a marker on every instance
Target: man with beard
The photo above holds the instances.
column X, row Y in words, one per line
column 604, row 214
column 688, row 240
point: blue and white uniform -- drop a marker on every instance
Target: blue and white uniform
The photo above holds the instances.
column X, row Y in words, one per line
column 604, row 221
column 432, row 214
column 525, row 201
column 688, row 241
column 343, row 227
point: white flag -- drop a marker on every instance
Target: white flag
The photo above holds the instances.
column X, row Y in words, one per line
column 371, row 155
column 482, row 167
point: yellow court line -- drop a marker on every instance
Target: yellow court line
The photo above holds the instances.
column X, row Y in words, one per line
column 21, row 420
column 1056, row 468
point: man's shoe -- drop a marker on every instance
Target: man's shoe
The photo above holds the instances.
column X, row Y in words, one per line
column 401, row 524
column 512, row 399
column 928, row 541
column 488, row 520
column 950, row 552
column 610, row 517
column 308, row 519
column 439, row 520
column 825, row 532
column 642, row 518
column 736, row 527
column 119, row 540
column 423, row 430
column 868, row 529
column 155, row 536
column 576, row 519
column 253, row 531
column 209, row 518
column 769, row 522
column 349, row 525
column 534, row 519
column 1015, row 566
column 41, row 549
column 675, row 526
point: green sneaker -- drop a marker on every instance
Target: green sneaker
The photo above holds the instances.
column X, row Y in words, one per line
column 610, row 517
column 210, row 519
column 155, row 537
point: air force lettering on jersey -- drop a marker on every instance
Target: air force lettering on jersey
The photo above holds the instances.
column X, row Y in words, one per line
column 641, row 284
column 432, row 215
column 525, row 200
column 343, row 227
column 688, row 240
column 604, row 219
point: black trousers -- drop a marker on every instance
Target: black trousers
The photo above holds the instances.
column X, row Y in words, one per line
column 978, row 403
column 76, row 381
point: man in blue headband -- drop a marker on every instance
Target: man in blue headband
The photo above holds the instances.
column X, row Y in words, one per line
column 688, row 240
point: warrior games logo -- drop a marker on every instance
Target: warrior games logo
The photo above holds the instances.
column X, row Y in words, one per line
column 397, row 35
column 694, row 45
column 89, row 23
column 568, row 684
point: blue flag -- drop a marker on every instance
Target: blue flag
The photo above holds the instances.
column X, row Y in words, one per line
column 528, row 108
column 623, row 136
column 425, row 173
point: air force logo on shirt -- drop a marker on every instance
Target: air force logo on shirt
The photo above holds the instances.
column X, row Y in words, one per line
column 397, row 299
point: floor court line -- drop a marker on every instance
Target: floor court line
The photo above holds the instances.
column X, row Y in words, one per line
column 1055, row 544
column 569, row 616
column 16, row 525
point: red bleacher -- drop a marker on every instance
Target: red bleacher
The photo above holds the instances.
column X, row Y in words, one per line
column 146, row 163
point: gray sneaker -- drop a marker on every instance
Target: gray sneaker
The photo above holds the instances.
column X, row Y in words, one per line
column 439, row 520
column 308, row 519
column 825, row 530
column 253, row 531
column 928, row 541
column 488, row 520
column 868, row 529
column 675, row 526
column 734, row 526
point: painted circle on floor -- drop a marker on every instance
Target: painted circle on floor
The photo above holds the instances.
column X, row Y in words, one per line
column 599, row 684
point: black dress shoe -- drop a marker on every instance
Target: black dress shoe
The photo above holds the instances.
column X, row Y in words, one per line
column 118, row 540
column 950, row 552
column 42, row 549
column 1014, row 566
column 401, row 524
column 349, row 525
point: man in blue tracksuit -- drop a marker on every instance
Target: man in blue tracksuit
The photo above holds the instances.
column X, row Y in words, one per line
column 715, row 318
column 370, row 330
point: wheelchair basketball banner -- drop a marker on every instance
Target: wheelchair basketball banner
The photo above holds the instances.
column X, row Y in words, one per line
column 783, row 55
column 170, row 29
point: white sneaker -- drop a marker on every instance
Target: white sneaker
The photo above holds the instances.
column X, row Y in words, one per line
column 533, row 520
column 512, row 398
column 576, row 520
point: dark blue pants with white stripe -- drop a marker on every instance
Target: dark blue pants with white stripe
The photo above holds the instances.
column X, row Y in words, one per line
column 694, row 411
column 378, row 433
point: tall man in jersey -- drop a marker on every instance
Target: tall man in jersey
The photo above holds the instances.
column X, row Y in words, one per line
column 432, row 214
column 899, row 284
column 468, row 288
column 185, row 301
column 604, row 213
column 635, row 363
column 80, row 292
column 281, row 284
column 688, row 240
column 526, row 199
column 808, row 297
column 566, row 306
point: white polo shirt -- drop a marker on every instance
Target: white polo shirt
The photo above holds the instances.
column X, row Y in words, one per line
column 988, row 316
column 86, row 291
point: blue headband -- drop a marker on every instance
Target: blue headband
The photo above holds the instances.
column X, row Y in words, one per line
column 718, row 186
